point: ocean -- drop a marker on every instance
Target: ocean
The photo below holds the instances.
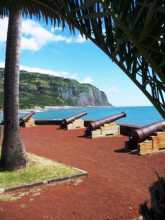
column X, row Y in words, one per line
column 135, row 115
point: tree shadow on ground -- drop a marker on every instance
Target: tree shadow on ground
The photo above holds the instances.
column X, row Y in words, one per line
column 156, row 210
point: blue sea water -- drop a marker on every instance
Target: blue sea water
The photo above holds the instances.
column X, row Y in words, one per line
column 135, row 115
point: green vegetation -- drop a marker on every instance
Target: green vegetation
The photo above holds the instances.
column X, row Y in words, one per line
column 44, row 90
column 38, row 169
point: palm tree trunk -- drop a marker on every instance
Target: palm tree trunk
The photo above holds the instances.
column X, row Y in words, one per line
column 13, row 155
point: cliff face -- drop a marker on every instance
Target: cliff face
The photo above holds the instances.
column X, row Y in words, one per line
column 93, row 97
column 45, row 90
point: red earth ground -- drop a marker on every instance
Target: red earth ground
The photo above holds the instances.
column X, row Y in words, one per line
column 117, row 183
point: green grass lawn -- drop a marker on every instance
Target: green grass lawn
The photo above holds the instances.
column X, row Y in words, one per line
column 39, row 169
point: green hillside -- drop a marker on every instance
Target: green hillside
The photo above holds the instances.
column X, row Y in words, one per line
column 44, row 90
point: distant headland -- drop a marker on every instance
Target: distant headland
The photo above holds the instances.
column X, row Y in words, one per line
column 45, row 90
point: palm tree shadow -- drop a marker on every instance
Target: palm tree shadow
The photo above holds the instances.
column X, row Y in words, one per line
column 157, row 209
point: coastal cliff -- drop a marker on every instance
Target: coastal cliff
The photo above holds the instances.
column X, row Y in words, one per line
column 45, row 90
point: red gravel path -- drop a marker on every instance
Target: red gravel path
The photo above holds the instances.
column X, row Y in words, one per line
column 117, row 183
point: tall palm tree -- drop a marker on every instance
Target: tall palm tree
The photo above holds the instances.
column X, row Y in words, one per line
column 13, row 154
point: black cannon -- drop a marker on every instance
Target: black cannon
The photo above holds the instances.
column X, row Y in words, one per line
column 25, row 118
column 141, row 134
column 97, row 124
column 71, row 119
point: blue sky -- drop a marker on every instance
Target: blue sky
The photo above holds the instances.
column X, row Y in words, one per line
column 50, row 50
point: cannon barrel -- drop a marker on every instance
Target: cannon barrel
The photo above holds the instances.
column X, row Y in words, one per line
column 26, row 117
column 140, row 134
column 99, row 123
column 72, row 118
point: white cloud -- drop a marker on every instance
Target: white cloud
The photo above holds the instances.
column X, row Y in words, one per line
column 54, row 29
column 80, row 39
column 3, row 28
column 113, row 90
column 35, row 36
column 87, row 79
column 29, row 44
